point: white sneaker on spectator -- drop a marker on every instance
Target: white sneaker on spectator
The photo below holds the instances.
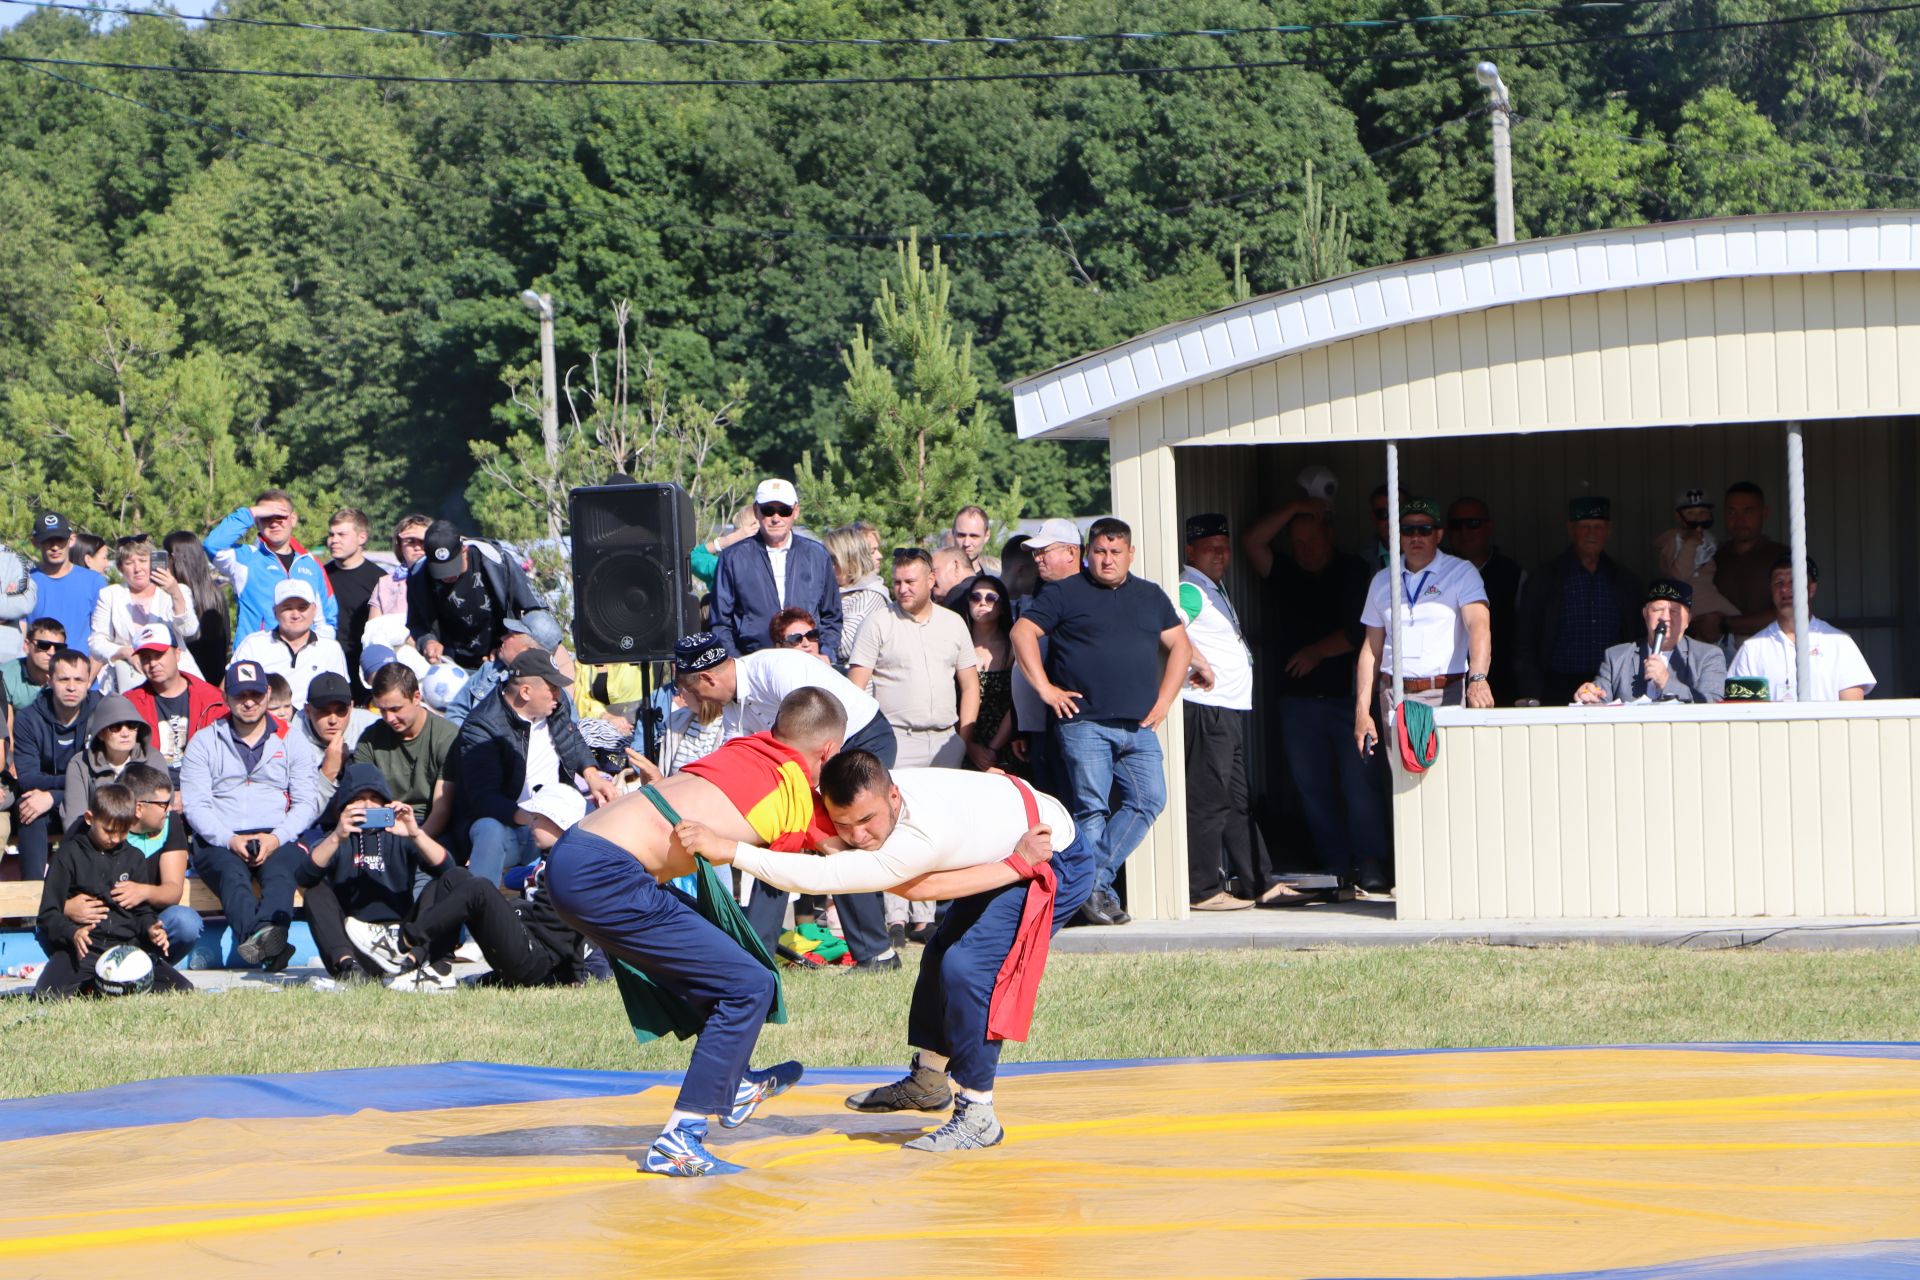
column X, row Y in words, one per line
column 433, row 976
column 469, row 952
column 380, row 943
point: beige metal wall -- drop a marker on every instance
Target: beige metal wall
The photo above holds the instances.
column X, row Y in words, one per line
column 1606, row 818
column 1739, row 350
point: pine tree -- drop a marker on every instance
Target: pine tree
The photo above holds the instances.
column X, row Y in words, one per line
column 1322, row 245
column 917, row 432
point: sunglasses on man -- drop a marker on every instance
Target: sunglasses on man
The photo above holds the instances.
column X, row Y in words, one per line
column 1460, row 524
column 1418, row 530
column 1380, row 514
column 794, row 639
column 49, row 646
column 778, row 510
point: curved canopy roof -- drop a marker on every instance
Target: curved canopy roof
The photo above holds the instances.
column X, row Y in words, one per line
column 1075, row 400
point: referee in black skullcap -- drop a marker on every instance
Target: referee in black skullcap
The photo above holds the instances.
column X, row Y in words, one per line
column 1665, row 665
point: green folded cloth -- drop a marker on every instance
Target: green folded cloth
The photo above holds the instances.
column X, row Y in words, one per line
column 651, row 1008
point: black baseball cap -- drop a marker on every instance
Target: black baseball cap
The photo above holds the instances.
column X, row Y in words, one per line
column 537, row 662
column 51, row 527
column 329, row 686
column 444, row 560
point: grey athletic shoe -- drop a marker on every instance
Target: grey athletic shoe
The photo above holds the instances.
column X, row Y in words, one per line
column 923, row 1089
column 381, row 944
column 972, row 1127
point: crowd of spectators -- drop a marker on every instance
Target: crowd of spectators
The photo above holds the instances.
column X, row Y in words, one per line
column 394, row 742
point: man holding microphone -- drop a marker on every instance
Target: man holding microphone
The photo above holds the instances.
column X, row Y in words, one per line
column 1667, row 666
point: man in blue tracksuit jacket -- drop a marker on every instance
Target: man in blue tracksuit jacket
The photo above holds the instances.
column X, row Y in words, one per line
column 256, row 568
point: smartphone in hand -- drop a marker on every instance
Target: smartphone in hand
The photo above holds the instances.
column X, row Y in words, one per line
column 376, row 818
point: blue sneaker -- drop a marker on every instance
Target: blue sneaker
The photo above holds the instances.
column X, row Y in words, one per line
column 756, row 1087
column 681, row 1152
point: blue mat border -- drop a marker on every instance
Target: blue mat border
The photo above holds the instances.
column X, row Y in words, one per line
column 438, row 1086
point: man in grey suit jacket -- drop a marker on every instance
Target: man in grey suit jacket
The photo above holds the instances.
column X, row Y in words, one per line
column 773, row 570
column 1681, row 670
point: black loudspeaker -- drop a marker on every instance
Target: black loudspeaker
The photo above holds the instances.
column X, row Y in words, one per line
column 632, row 594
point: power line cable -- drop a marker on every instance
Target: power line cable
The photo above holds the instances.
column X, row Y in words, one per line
column 1084, row 73
column 767, row 233
column 1549, row 12
column 1538, row 122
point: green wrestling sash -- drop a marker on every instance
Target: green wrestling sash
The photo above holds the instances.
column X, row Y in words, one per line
column 652, row 1009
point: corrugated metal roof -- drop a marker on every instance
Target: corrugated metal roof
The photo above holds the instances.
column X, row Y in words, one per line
column 1075, row 400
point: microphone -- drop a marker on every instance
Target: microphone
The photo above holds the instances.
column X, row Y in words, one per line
column 1659, row 640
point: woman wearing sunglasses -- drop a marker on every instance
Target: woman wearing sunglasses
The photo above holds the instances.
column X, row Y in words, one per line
column 795, row 628
column 989, row 610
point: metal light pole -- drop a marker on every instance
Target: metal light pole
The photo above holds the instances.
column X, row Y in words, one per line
column 1502, row 103
column 542, row 305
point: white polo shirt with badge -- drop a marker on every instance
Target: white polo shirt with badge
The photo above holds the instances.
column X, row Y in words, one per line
column 1214, row 629
column 1835, row 663
column 1432, row 636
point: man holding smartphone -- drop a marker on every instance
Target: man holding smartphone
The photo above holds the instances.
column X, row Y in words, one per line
column 247, row 801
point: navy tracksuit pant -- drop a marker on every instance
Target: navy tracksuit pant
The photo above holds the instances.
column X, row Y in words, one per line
column 955, row 986
column 602, row 890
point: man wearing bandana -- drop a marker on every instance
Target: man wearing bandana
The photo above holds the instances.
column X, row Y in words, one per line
column 1665, row 665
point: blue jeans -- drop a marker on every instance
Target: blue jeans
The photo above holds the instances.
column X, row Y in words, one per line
column 1094, row 757
column 1340, row 790
column 495, row 846
column 184, row 927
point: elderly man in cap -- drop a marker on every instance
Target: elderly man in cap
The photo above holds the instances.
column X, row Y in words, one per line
column 247, row 803
column 1574, row 607
column 1665, row 666
column 749, row 690
column 294, row 650
column 773, row 570
column 518, row 761
column 1223, row 845
column 1837, row 671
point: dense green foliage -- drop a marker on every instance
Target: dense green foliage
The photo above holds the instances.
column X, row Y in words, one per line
column 346, row 319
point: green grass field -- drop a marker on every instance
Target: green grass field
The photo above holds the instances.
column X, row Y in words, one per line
column 1092, row 1007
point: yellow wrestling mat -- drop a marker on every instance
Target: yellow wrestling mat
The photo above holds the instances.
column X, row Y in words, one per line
column 1745, row 1161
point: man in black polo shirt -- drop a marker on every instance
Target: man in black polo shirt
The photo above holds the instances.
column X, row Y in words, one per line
column 1108, row 689
column 1318, row 593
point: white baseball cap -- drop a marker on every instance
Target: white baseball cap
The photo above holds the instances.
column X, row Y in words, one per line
column 153, row 636
column 1320, row 482
column 292, row 589
column 1055, row 532
column 776, row 490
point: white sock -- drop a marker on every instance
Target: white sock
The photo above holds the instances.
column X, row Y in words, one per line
column 888, row 954
column 982, row 1096
column 680, row 1117
column 928, row 1060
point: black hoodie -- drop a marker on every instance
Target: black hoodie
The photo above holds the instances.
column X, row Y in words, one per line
column 372, row 872
column 81, row 866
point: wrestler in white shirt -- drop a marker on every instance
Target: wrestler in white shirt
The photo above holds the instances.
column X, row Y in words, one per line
column 936, row 833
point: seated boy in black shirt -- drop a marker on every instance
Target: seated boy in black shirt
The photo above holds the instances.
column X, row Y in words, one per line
column 90, row 862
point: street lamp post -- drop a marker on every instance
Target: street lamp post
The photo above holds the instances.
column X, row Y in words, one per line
column 542, row 305
column 1502, row 105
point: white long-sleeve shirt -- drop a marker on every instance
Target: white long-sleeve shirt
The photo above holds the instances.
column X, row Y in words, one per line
column 949, row 819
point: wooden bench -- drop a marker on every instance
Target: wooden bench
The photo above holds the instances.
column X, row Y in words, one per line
column 20, row 899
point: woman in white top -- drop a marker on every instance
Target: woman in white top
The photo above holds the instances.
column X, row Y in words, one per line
column 145, row 595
